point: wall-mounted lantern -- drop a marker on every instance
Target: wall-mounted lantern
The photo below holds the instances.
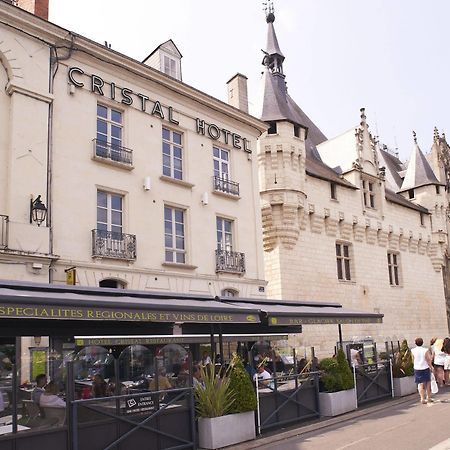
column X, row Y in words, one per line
column 38, row 211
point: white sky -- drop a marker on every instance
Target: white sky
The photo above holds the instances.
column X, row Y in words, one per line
column 390, row 56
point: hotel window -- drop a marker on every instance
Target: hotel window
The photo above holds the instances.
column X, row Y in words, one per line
column 343, row 260
column 109, row 132
column 224, row 234
column 174, row 219
column 110, row 214
column 172, row 154
column 393, row 268
column 230, row 293
column 170, row 66
column 438, row 189
column 221, row 163
column 368, row 188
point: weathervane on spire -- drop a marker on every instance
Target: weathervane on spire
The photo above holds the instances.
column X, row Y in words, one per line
column 415, row 137
column 269, row 10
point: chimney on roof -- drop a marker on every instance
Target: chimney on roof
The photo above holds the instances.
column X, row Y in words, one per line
column 37, row 7
column 237, row 92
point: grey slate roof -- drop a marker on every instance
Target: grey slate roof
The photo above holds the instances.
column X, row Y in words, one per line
column 393, row 197
column 272, row 47
column 419, row 172
column 393, row 165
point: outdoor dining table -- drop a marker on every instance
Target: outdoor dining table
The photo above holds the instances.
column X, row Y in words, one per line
column 8, row 429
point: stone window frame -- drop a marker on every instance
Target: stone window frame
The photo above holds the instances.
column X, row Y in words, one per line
column 369, row 192
column 344, row 261
column 394, row 268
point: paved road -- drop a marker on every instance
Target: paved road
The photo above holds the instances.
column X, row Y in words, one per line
column 409, row 426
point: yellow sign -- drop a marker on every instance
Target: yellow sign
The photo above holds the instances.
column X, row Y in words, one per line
column 71, row 276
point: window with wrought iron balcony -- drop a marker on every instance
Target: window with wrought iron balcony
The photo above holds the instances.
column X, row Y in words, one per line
column 108, row 240
column 108, row 143
column 221, row 180
column 227, row 260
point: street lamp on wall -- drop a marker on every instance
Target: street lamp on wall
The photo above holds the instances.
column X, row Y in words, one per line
column 38, row 211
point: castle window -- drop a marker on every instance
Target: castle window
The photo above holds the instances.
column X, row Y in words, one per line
column 272, row 128
column 393, row 268
column 422, row 219
column 438, row 189
column 343, row 261
column 411, row 194
column 368, row 188
column 333, row 191
column 296, row 131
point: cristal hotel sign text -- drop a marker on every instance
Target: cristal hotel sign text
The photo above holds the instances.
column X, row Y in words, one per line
column 128, row 97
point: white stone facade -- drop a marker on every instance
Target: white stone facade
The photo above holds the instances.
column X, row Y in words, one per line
column 48, row 121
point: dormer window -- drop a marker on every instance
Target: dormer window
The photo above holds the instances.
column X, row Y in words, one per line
column 170, row 66
column 368, row 188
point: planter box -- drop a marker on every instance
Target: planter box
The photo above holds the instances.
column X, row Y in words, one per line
column 335, row 403
column 404, row 386
column 221, row 431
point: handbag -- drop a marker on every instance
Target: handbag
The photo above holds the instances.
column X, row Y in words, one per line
column 434, row 385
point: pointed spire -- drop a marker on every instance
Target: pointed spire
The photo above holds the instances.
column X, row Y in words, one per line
column 419, row 172
column 273, row 58
column 363, row 116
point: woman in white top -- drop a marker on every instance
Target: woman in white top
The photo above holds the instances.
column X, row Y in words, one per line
column 438, row 360
column 422, row 370
column 49, row 397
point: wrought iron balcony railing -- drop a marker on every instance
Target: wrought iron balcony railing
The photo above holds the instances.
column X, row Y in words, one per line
column 110, row 244
column 233, row 262
column 4, row 228
column 225, row 185
column 113, row 152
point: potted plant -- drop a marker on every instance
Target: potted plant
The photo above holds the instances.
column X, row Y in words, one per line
column 403, row 371
column 337, row 382
column 225, row 403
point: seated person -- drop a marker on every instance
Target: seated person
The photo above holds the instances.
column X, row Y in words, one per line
column 99, row 387
column 163, row 381
column 50, row 398
column 41, row 381
column 197, row 377
column 262, row 376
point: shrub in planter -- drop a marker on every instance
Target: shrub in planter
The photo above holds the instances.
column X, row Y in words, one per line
column 402, row 362
column 337, row 375
column 242, row 387
column 213, row 398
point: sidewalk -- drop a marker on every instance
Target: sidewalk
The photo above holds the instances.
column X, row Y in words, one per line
column 299, row 429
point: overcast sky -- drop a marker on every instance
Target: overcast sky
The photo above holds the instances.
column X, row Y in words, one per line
column 390, row 56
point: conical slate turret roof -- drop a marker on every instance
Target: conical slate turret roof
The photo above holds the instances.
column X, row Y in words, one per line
column 419, row 172
column 272, row 47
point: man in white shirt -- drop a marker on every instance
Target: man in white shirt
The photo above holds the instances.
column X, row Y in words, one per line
column 262, row 376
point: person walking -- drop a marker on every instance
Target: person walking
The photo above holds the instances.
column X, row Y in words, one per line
column 422, row 370
column 446, row 350
column 438, row 361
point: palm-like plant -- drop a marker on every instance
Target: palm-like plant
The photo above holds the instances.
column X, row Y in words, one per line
column 213, row 398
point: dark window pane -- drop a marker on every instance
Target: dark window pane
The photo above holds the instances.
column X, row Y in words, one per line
column 390, row 275
column 180, row 243
column 345, row 250
column 169, row 256
column 180, row 258
column 372, row 201
column 179, row 215
column 179, row 229
column 338, row 249
column 216, row 152
column 396, row 276
column 102, row 215
column 102, row 111
column 166, row 148
column 116, row 116
column 394, row 259
column 116, row 132
column 177, row 138
column 347, row 269
column 116, row 218
column 177, row 164
column 167, row 227
column 168, row 240
column 166, row 134
column 166, row 171
column 224, row 155
column 116, row 202
column 339, row 269
column 177, row 152
column 102, row 199
column 227, row 224
column 167, row 213
column 177, row 174
column 102, row 127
